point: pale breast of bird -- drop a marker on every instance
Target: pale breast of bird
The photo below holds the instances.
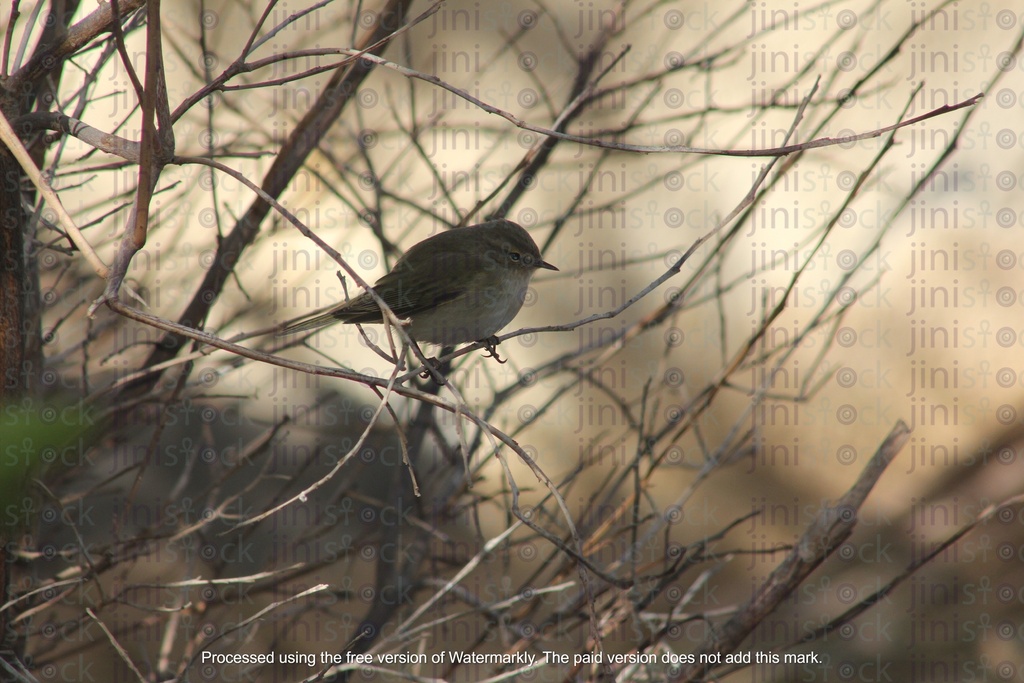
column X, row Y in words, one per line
column 475, row 315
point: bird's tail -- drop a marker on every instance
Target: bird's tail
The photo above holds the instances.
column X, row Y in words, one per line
column 317, row 321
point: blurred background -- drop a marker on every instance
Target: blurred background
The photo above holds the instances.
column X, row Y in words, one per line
column 734, row 330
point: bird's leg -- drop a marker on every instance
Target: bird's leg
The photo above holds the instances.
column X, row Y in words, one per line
column 491, row 344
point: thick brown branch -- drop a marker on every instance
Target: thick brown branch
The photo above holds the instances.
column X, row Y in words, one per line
column 157, row 147
column 827, row 532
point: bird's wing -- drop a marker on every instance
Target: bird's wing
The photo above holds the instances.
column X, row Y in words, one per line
column 407, row 300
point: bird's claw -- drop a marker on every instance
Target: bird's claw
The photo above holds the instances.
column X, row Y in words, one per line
column 491, row 344
column 433, row 369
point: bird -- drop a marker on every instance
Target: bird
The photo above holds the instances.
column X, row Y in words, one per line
column 461, row 285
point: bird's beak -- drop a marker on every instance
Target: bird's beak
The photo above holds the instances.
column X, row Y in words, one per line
column 545, row 264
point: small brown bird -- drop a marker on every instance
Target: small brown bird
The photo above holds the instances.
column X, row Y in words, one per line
column 461, row 285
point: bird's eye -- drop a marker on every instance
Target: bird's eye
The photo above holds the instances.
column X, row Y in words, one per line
column 514, row 255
